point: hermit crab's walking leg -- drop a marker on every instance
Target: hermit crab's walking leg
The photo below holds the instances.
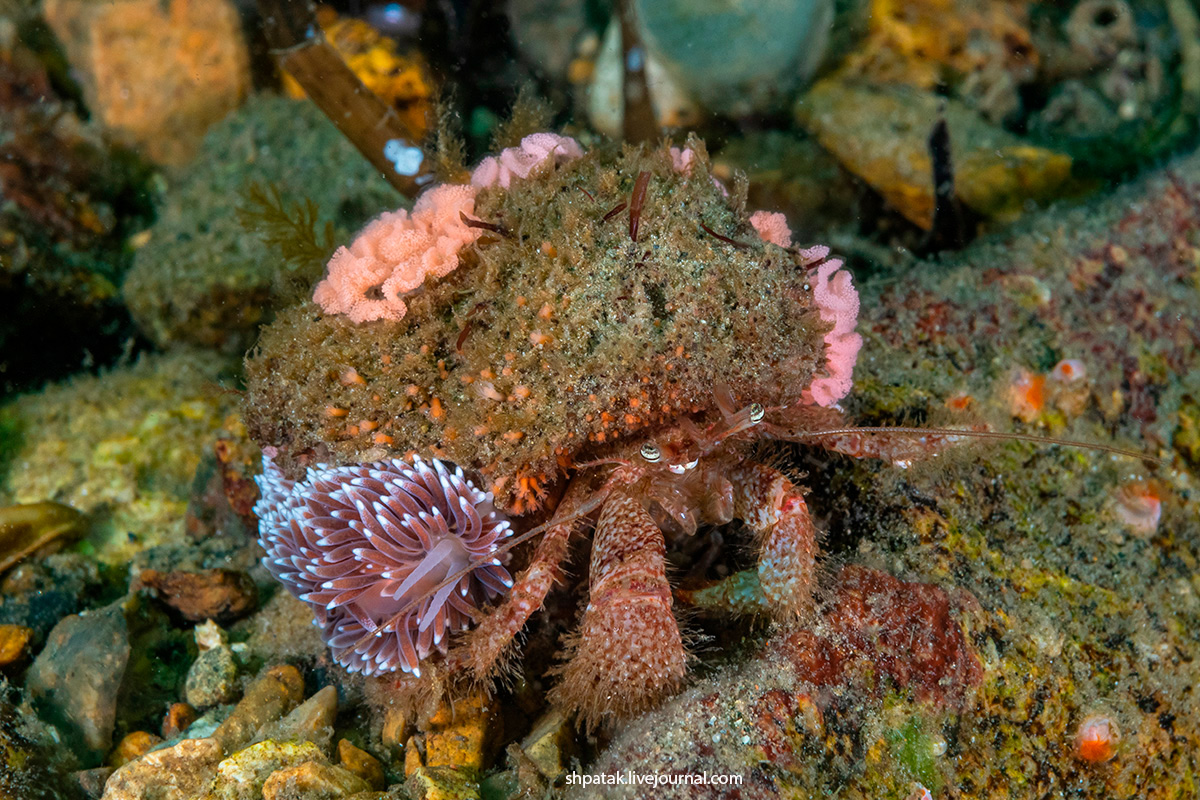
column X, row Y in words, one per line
column 629, row 654
column 484, row 647
column 772, row 507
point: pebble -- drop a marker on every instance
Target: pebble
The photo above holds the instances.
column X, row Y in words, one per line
column 362, row 764
column 243, row 774
column 179, row 772
column 457, row 735
column 313, row 780
column 274, row 693
column 395, row 730
column 549, row 745
column 442, row 783
column 91, row 781
column 14, row 644
column 75, row 679
column 223, row 595
column 996, row 173
column 212, row 679
column 156, row 75
column 177, row 720
column 311, row 721
column 135, row 745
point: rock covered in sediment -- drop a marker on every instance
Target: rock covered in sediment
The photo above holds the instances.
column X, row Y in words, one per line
column 156, row 75
column 76, row 678
column 206, row 278
column 562, row 330
column 179, row 772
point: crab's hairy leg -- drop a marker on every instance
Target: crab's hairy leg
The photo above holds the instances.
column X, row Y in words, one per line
column 485, row 646
column 773, row 508
column 629, row 654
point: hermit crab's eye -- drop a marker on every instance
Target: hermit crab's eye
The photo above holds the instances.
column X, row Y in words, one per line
column 757, row 413
column 650, row 452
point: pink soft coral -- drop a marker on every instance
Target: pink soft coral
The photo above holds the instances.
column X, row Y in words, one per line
column 837, row 299
column 536, row 149
column 396, row 253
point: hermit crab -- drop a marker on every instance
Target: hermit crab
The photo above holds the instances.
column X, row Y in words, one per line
column 600, row 337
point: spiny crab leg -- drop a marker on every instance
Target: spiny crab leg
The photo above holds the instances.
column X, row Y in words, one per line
column 772, row 507
column 629, row 654
column 485, row 645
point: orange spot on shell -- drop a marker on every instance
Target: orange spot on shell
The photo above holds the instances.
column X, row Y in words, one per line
column 1068, row 370
column 1139, row 505
column 435, row 409
column 350, row 377
column 334, row 411
column 383, row 438
column 1096, row 739
column 1027, row 395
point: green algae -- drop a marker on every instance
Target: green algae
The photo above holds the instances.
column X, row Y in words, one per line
column 122, row 447
column 202, row 278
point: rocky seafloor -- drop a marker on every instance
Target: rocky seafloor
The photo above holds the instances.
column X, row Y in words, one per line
column 1012, row 619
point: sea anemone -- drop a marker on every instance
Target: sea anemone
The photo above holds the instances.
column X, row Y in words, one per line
column 358, row 542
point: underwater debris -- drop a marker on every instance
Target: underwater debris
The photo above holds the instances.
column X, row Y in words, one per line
column 26, row 529
column 370, row 124
column 401, row 79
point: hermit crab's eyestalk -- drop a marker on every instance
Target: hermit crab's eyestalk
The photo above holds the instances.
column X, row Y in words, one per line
column 359, row 543
column 651, row 452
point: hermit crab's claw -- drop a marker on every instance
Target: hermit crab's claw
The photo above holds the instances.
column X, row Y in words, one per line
column 629, row 654
column 772, row 507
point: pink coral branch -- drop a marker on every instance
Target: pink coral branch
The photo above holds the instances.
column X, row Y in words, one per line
column 396, row 253
column 536, row 150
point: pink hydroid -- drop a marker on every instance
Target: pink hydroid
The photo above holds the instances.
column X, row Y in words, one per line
column 837, row 299
column 396, row 253
column 358, row 542
column 537, row 151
